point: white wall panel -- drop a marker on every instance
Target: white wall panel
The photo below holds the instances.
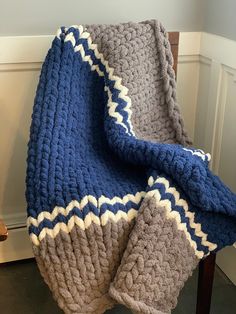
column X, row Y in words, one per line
column 202, row 104
column 17, row 89
column 187, row 89
column 227, row 168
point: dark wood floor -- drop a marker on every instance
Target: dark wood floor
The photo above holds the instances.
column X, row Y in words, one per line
column 24, row 292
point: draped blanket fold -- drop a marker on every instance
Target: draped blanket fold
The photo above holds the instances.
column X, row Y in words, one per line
column 120, row 207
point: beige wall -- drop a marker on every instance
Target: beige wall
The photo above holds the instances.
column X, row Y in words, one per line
column 219, row 18
column 26, row 17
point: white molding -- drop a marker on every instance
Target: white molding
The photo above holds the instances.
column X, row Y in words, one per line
column 182, row 59
column 193, row 59
column 30, row 49
column 24, row 66
column 13, row 221
column 205, row 60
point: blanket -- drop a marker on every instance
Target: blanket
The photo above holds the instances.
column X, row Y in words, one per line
column 120, row 208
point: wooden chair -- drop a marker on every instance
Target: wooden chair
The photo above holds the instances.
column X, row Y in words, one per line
column 206, row 266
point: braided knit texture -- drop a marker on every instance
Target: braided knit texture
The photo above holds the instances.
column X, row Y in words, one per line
column 140, row 54
column 120, row 208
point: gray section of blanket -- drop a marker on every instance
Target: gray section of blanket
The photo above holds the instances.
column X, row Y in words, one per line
column 157, row 262
column 140, row 54
column 78, row 267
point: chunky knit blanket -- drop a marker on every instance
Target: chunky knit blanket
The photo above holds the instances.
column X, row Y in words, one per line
column 120, row 207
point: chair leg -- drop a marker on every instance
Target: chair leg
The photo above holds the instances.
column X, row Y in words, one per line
column 3, row 231
column 205, row 284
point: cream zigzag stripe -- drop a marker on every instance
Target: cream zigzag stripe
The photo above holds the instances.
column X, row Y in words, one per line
column 171, row 214
column 200, row 153
column 181, row 202
column 112, row 109
column 115, row 217
column 83, row 224
column 118, row 85
column 132, row 213
column 80, row 205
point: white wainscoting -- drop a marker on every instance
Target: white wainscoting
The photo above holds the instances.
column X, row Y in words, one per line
column 215, row 116
column 206, row 89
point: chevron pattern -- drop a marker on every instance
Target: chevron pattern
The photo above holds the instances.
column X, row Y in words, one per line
column 128, row 215
column 106, row 70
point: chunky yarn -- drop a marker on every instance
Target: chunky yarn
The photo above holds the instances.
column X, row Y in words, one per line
column 120, row 207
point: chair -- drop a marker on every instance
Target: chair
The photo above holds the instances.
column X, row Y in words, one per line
column 207, row 265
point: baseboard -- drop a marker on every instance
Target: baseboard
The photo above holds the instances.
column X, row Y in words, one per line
column 16, row 247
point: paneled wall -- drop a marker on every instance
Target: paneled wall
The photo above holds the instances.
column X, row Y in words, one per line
column 216, row 100
column 215, row 126
column 188, row 78
column 17, row 87
column 206, row 91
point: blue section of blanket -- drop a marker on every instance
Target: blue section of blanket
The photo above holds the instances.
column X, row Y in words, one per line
column 78, row 148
